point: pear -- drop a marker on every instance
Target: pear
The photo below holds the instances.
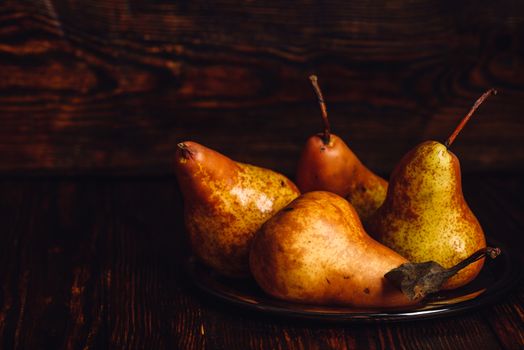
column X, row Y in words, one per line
column 225, row 203
column 328, row 164
column 425, row 216
column 316, row 251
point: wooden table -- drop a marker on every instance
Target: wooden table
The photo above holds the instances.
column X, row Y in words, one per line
column 97, row 263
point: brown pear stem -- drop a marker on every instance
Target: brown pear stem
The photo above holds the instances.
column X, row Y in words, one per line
column 464, row 120
column 479, row 254
column 416, row 280
column 186, row 151
column 325, row 120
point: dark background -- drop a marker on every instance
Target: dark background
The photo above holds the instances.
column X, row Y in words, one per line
column 110, row 87
column 95, row 95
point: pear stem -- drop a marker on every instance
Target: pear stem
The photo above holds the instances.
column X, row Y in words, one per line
column 479, row 254
column 416, row 280
column 464, row 120
column 186, row 151
column 323, row 109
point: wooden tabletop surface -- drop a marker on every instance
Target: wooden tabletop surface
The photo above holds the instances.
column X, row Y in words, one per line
column 98, row 263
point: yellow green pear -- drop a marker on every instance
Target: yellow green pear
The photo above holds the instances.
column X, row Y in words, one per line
column 316, row 251
column 225, row 203
column 425, row 215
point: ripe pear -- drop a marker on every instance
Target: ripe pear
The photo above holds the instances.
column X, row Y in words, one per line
column 333, row 167
column 225, row 203
column 328, row 164
column 425, row 216
column 316, row 251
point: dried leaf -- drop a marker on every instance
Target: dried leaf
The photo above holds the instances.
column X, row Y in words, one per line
column 416, row 280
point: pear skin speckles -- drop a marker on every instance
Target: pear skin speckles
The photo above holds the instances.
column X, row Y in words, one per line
column 225, row 204
column 316, row 251
column 367, row 195
column 425, row 216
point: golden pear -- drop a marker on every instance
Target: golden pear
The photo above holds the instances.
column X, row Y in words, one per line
column 425, row 216
column 225, row 203
column 316, row 251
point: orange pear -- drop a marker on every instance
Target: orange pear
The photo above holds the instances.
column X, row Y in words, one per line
column 328, row 164
column 225, row 203
column 316, row 251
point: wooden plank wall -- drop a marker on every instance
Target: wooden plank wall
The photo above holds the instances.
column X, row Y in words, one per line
column 110, row 86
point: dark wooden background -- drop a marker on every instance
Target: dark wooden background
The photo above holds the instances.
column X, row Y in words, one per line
column 111, row 86
column 94, row 96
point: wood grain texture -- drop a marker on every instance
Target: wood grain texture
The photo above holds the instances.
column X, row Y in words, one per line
column 110, row 87
column 97, row 263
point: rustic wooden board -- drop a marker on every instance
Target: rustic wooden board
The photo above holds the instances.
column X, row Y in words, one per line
column 110, row 87
column 97, row 264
